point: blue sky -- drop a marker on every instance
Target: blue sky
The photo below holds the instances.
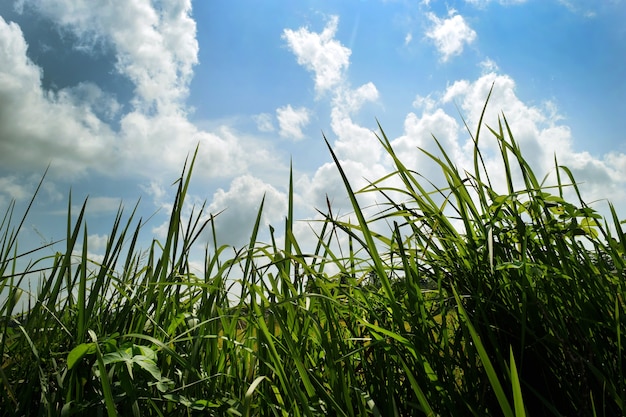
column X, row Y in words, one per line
column 114, row 95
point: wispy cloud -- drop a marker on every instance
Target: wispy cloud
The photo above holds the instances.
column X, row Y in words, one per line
column 291, row 121
column 504, row 2
column 14, row 189
column 584, row 8
column 264, row 122
column 450, row 35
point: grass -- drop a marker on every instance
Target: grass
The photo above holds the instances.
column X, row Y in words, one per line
column 473, row 302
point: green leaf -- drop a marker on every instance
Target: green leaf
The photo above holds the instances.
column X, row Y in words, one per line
column 484, row 358
column 518, row 401
column 79, row 352
column 148, row 365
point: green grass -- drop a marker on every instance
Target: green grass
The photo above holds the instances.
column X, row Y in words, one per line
column 473, row 302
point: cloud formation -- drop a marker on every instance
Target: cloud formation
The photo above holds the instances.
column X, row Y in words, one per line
column 35, row 123
column 82, row 128
column 291, row 121
column 239, row 206
column 450, row 35
column 156, row 46
column 356, row 146
column 538, row 129
column 320, row 53
column 504, row 2
column 264, row 122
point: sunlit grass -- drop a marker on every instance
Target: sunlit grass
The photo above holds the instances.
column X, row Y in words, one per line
column 474, row 302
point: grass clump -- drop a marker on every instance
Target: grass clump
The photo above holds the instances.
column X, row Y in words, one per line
column 474, row 302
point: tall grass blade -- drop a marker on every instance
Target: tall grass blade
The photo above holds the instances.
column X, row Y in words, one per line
column 505, row 406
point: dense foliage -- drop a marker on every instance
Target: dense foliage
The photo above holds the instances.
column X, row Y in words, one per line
column 472, row 303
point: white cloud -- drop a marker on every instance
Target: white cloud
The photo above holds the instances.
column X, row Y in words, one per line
column 89, row 96
column 240, row 205
column 97, row 243
column 37, row 126
column 13, row 189
column 354, row 142
column 538, row 130
column 585, row 8
column 320, row 53
column 351, row 100
column 450, row 35
column 356, row 146
column 425, row 103
column 100, row 205
column 155, row 189
column 156, row 47
column 159, row 144
column 264, row 122
column 327, row 182
column 82, row 128
column 488, row 65
column 359, row 153
column 481, row 3
column 291, row 121
column 419, row 133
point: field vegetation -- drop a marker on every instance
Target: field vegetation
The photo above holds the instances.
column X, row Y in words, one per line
column 469, row 302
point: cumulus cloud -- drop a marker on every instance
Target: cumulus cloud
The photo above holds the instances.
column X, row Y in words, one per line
column 327, row 183
column 161, row 143
column 356, row 146
column 239, row 206
column 156, row 48
column 419, row 132
column 539, row 130
column 36, row 125
column 450, row 35
column 426, row 103
column 291, row 121
column 97, row 243
column 82, row 128
column 97, row 205
column 352, row 100
column 320, row 53
column 353, row 140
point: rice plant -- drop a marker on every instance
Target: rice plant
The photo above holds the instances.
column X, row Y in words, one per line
column 473, row 302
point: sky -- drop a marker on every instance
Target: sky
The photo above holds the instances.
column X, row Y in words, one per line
column 114, row 96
